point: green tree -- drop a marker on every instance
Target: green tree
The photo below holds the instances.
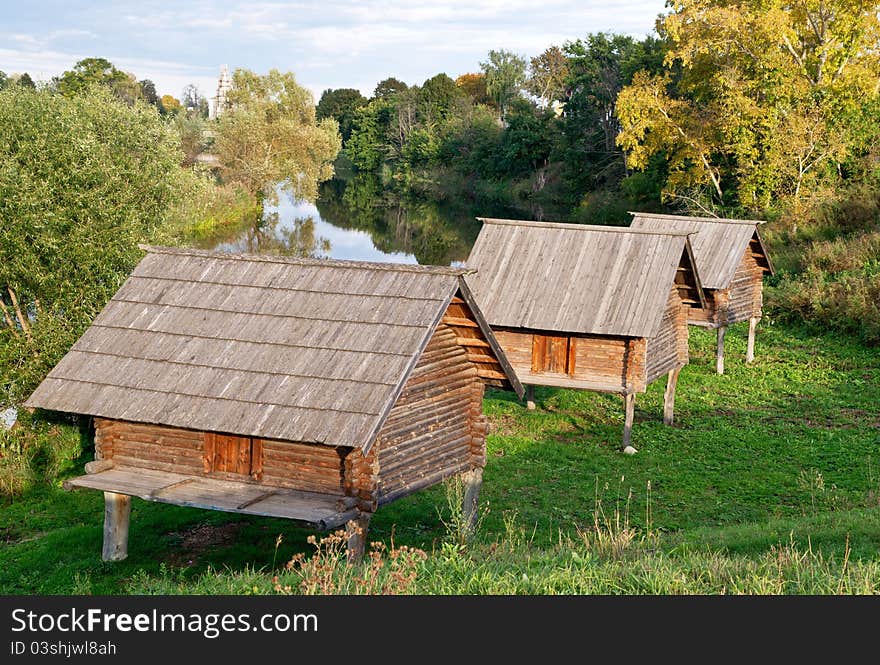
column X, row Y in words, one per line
column 100, row 71
column 340, row 105
column 4, row 80
column 72, row 213
column 148, row 92
column 505, row 76
column 270, row 135
column 598, row 68
column 548, row 76
column 367, row 145
column 26, row 81
column 767, row 101
column 388, row 88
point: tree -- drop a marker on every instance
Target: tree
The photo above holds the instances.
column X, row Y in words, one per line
column 388, row 88
column 26, row 81
column 340, row 105
column 474, row 86
column 437, row 98
column 548, row 76
column 270, row 135
column 767, row 101
column 194, row 101
column 169, row 104
column 89, row 71
column 4, row 80
column 367, row 145
column 505, row 75
column 148, row 92
column 83, row 180
column 598, row 68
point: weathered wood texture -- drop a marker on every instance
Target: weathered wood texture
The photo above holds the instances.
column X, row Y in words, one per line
column 605, row 364
column 308, row 467
column 117, row 514
column 436, row 429
column 324, row 510
column 577, row 278
column 668, row 349
column 270, row 347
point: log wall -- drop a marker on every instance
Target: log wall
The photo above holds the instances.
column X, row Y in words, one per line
column 309, row 467
column 437, row 428
column 668, row 349
column 612, row 364
column 745, row 298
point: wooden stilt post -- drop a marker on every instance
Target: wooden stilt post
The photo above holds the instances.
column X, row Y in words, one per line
column 117, row 511
column 629, row 401
column 669, row 396
column 750, row 348
column 719, row 352
column 530, row 398
column 356, row 532
column 473, row 482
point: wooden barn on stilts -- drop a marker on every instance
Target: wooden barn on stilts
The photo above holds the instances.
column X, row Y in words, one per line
column 597, row 308
column 314, row 390
column 732, row 260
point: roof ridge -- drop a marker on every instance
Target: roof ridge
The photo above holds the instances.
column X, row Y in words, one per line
column 582, row 227
column 293, row 260
column 725, row 220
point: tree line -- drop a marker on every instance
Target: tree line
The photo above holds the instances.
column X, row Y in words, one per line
column 730, row 106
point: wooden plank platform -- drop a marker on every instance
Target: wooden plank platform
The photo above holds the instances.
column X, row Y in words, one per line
column 565, row 381
column 322, row 510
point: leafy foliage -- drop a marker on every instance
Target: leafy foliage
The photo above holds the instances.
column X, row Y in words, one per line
column 340, row 105
column 270, row 134
column 83, row 180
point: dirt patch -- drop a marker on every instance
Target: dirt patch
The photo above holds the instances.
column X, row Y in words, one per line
column 503, row 425
column 191, row 543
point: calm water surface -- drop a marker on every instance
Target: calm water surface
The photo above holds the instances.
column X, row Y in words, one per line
column 357, row 219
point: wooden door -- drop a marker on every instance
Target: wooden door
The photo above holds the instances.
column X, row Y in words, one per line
column 552, row 353
column 225, row 453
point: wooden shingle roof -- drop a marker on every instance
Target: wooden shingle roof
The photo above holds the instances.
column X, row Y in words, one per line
column 305, row 350
column 718, row 243
column 576, row 278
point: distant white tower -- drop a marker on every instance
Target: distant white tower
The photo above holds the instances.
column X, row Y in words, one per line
column 218, row 101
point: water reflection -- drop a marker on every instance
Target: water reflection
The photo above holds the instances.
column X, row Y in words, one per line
column 356, row 218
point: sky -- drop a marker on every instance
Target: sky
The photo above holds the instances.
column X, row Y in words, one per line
column 327, row 44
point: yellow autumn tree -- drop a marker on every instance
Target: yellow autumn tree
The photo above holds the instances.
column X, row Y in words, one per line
column 762, row 99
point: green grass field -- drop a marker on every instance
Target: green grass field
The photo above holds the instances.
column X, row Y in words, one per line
column 769, row 482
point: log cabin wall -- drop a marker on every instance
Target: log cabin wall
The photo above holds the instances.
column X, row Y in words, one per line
column 745, row 298
column 436, row 428
column 612, row 364
column 309, row 467
column 668, row 349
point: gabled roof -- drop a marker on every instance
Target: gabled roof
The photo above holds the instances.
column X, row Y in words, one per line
column 719, row 244
column 576, row 278
column 295, row 349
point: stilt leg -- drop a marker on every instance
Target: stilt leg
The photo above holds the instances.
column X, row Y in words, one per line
column 750, row 349
column 629, row 401
column 356, row 532
column 473, row 482
column 669, row 396
column 530, row 398
column 117, row 511
column 719, row 352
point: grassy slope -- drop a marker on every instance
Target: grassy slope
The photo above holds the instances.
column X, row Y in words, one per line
column 785, row 452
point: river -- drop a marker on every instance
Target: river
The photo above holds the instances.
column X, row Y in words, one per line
column 357, row 219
